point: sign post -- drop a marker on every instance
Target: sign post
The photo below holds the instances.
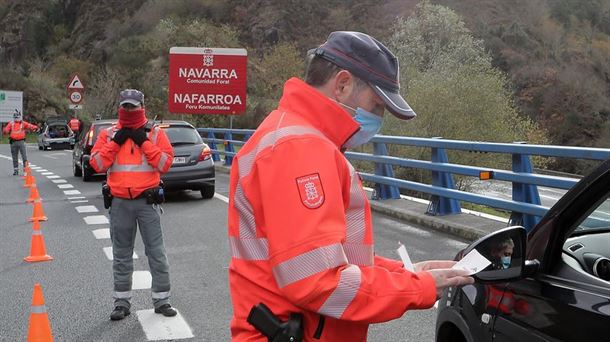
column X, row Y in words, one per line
column 76, row 88
column 207, row 80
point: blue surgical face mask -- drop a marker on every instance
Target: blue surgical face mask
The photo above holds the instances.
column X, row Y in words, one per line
column 505, row 261
column 370, row 124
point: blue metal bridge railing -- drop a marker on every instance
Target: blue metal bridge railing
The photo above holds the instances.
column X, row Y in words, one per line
column 445, row 198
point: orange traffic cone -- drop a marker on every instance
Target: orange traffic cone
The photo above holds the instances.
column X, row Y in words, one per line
column 38, row 252
column 38, row 213
column 30, row 181
column 36, row 225
column 33, row 194
column 40, row 327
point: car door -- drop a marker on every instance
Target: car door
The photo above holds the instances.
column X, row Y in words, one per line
column 564, row 300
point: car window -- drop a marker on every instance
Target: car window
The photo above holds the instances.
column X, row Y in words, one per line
column 183, row 135
column 58, row 131
column 598, row 220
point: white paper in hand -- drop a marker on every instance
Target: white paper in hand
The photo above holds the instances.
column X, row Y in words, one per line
column 404, row 256
column 473, row 262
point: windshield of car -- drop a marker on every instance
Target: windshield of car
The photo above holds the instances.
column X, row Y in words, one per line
column 597, row 220
column 183, row 135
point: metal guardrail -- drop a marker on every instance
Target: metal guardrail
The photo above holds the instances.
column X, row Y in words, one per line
column 445, row 199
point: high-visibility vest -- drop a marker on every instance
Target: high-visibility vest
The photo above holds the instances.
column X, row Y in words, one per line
column 74, row 125
column 300, row 229
column 130, row 168
column 17, row 129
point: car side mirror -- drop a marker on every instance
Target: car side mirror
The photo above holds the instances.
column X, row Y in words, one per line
column 505, row 249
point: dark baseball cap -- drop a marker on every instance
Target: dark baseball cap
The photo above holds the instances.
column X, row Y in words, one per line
column 369, row 60
column 131, row 96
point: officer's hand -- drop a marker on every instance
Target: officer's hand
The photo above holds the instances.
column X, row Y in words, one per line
column 138, row 136
column 433, row 265
column 447, row 277
column 121, row 136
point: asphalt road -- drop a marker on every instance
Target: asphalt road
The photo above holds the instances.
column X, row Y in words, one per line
column 77, row 283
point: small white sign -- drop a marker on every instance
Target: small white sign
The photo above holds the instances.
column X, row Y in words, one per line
column 76, row 106
column 473, row 262
column 9, row 102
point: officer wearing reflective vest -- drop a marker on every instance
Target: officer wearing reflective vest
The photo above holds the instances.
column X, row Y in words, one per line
column 300, row 229
column 75, row 125
column 16, row 130
column 134, row 155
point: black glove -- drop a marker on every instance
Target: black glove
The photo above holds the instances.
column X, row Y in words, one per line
column 138, row 136
column 121, row 135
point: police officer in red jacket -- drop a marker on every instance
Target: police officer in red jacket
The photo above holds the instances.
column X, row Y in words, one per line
column 17, row 129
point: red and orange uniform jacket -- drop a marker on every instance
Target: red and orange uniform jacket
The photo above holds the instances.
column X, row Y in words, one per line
column 130, row 168
column 300, row 228
column 17, row 129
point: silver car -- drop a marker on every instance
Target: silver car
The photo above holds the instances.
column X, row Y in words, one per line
column 56, row 133
column 193, row 167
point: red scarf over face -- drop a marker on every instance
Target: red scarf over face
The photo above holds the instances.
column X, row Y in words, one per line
column 132, row 118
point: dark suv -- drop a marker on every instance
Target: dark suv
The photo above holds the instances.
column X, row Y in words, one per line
column 551, row 284
column 82, row 148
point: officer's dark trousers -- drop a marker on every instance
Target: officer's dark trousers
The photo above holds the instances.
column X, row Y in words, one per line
column 124, row 214
column 16, row 148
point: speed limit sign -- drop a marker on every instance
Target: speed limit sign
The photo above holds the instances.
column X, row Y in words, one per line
column 76, row 97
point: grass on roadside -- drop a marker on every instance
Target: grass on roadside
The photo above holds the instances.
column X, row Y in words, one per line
column 29, row 138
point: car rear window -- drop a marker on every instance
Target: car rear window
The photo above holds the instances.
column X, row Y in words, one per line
column 58, row 131
column 183, row 135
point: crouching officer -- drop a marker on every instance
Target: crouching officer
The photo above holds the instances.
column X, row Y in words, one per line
column 134, row 154
column 16, row 129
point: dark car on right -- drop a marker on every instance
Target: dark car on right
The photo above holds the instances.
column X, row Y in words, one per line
column 549, row 284
column 83, row 146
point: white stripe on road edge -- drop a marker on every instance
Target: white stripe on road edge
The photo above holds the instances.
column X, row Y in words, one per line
column 81, row 201
column 57, row 181
column 108, row 252
column 41, row 170
column 86, row 209
column 103, row 233
column 46, row 173
column 96, row 219
column 76, row 197
column 436, row 305
column 53, row 177
column 65, row 186
column 72, row 192
column 221, row 197
column 158, row 327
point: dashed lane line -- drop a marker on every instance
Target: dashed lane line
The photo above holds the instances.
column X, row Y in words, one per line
column 86, row 209
column 58, row 181
column 158, row 327
column 96, row 219
column 53, row 177
column 80, row 201
column 65, row 186
column 221, row 197
column 76, row 197
column 71, row 192
column 47, row 173
column 108, row 252
column 103, row 233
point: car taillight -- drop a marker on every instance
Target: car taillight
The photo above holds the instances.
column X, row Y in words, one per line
column 206, row 154
column 90, row 138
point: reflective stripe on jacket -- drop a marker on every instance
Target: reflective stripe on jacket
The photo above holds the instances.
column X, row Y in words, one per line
column 300, row 228
column 131, row 169
column 17, row 129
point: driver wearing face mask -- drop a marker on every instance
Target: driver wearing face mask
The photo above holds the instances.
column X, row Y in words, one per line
column 300, row 227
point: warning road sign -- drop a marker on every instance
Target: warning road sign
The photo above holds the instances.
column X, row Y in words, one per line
column 75, row 83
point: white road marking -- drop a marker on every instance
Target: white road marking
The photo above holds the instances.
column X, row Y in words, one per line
column 57, row 181
column 108, row 252
column 221, row 197
column 53, row 177
column 86, row 209
column 141, row 280
column 46, row 173
column 35, row 167
column 76, row 197
column 96, row 219
column 103, row 233
column 158, row 327
column 80, row 201
column 71, row 192
column 65, row 186
column 42, row 170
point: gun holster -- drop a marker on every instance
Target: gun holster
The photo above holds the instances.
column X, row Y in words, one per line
column 107, row 195
column 263, row 319
column 155, row 195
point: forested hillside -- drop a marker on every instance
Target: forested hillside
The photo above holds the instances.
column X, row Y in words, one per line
column 536, row 70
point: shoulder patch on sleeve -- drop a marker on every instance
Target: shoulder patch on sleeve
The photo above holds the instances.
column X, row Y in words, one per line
column 311, row 190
